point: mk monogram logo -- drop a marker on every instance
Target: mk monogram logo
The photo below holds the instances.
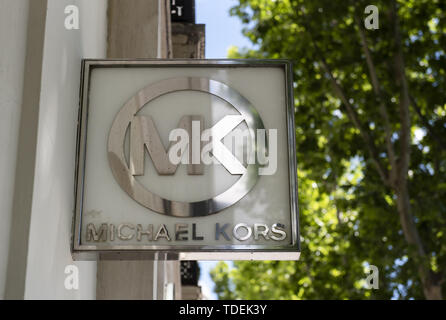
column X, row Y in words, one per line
column 192, row 145
column 144, row 133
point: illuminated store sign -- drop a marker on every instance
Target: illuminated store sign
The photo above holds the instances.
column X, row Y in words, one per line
column 193, row 159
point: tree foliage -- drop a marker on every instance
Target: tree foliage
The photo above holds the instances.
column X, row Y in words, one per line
column 371, row 148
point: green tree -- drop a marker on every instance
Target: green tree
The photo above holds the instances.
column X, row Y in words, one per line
column 371, row 147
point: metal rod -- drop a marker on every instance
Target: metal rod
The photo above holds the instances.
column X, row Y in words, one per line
column 155, row 277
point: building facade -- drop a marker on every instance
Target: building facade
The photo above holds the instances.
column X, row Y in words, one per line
column 43, row 43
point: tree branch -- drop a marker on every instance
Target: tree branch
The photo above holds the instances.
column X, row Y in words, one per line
column 380, row 97
column 353, row 116
column 351, row 112
column 405, row 138
column 430, row 280
column 409, row 228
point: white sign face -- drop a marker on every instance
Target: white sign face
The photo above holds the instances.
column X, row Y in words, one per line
column 191, row 159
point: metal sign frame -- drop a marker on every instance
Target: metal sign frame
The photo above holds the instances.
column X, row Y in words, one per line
column 183, row 252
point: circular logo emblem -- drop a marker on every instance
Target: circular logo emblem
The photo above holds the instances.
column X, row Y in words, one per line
column 122, row 170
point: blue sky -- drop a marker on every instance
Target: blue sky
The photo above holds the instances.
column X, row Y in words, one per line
column 222, row 31
column 205, row 281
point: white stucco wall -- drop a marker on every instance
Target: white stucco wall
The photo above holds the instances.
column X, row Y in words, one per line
column 53, row 200
column 13, row 31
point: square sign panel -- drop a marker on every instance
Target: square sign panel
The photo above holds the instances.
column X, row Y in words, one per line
column 186, row 159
